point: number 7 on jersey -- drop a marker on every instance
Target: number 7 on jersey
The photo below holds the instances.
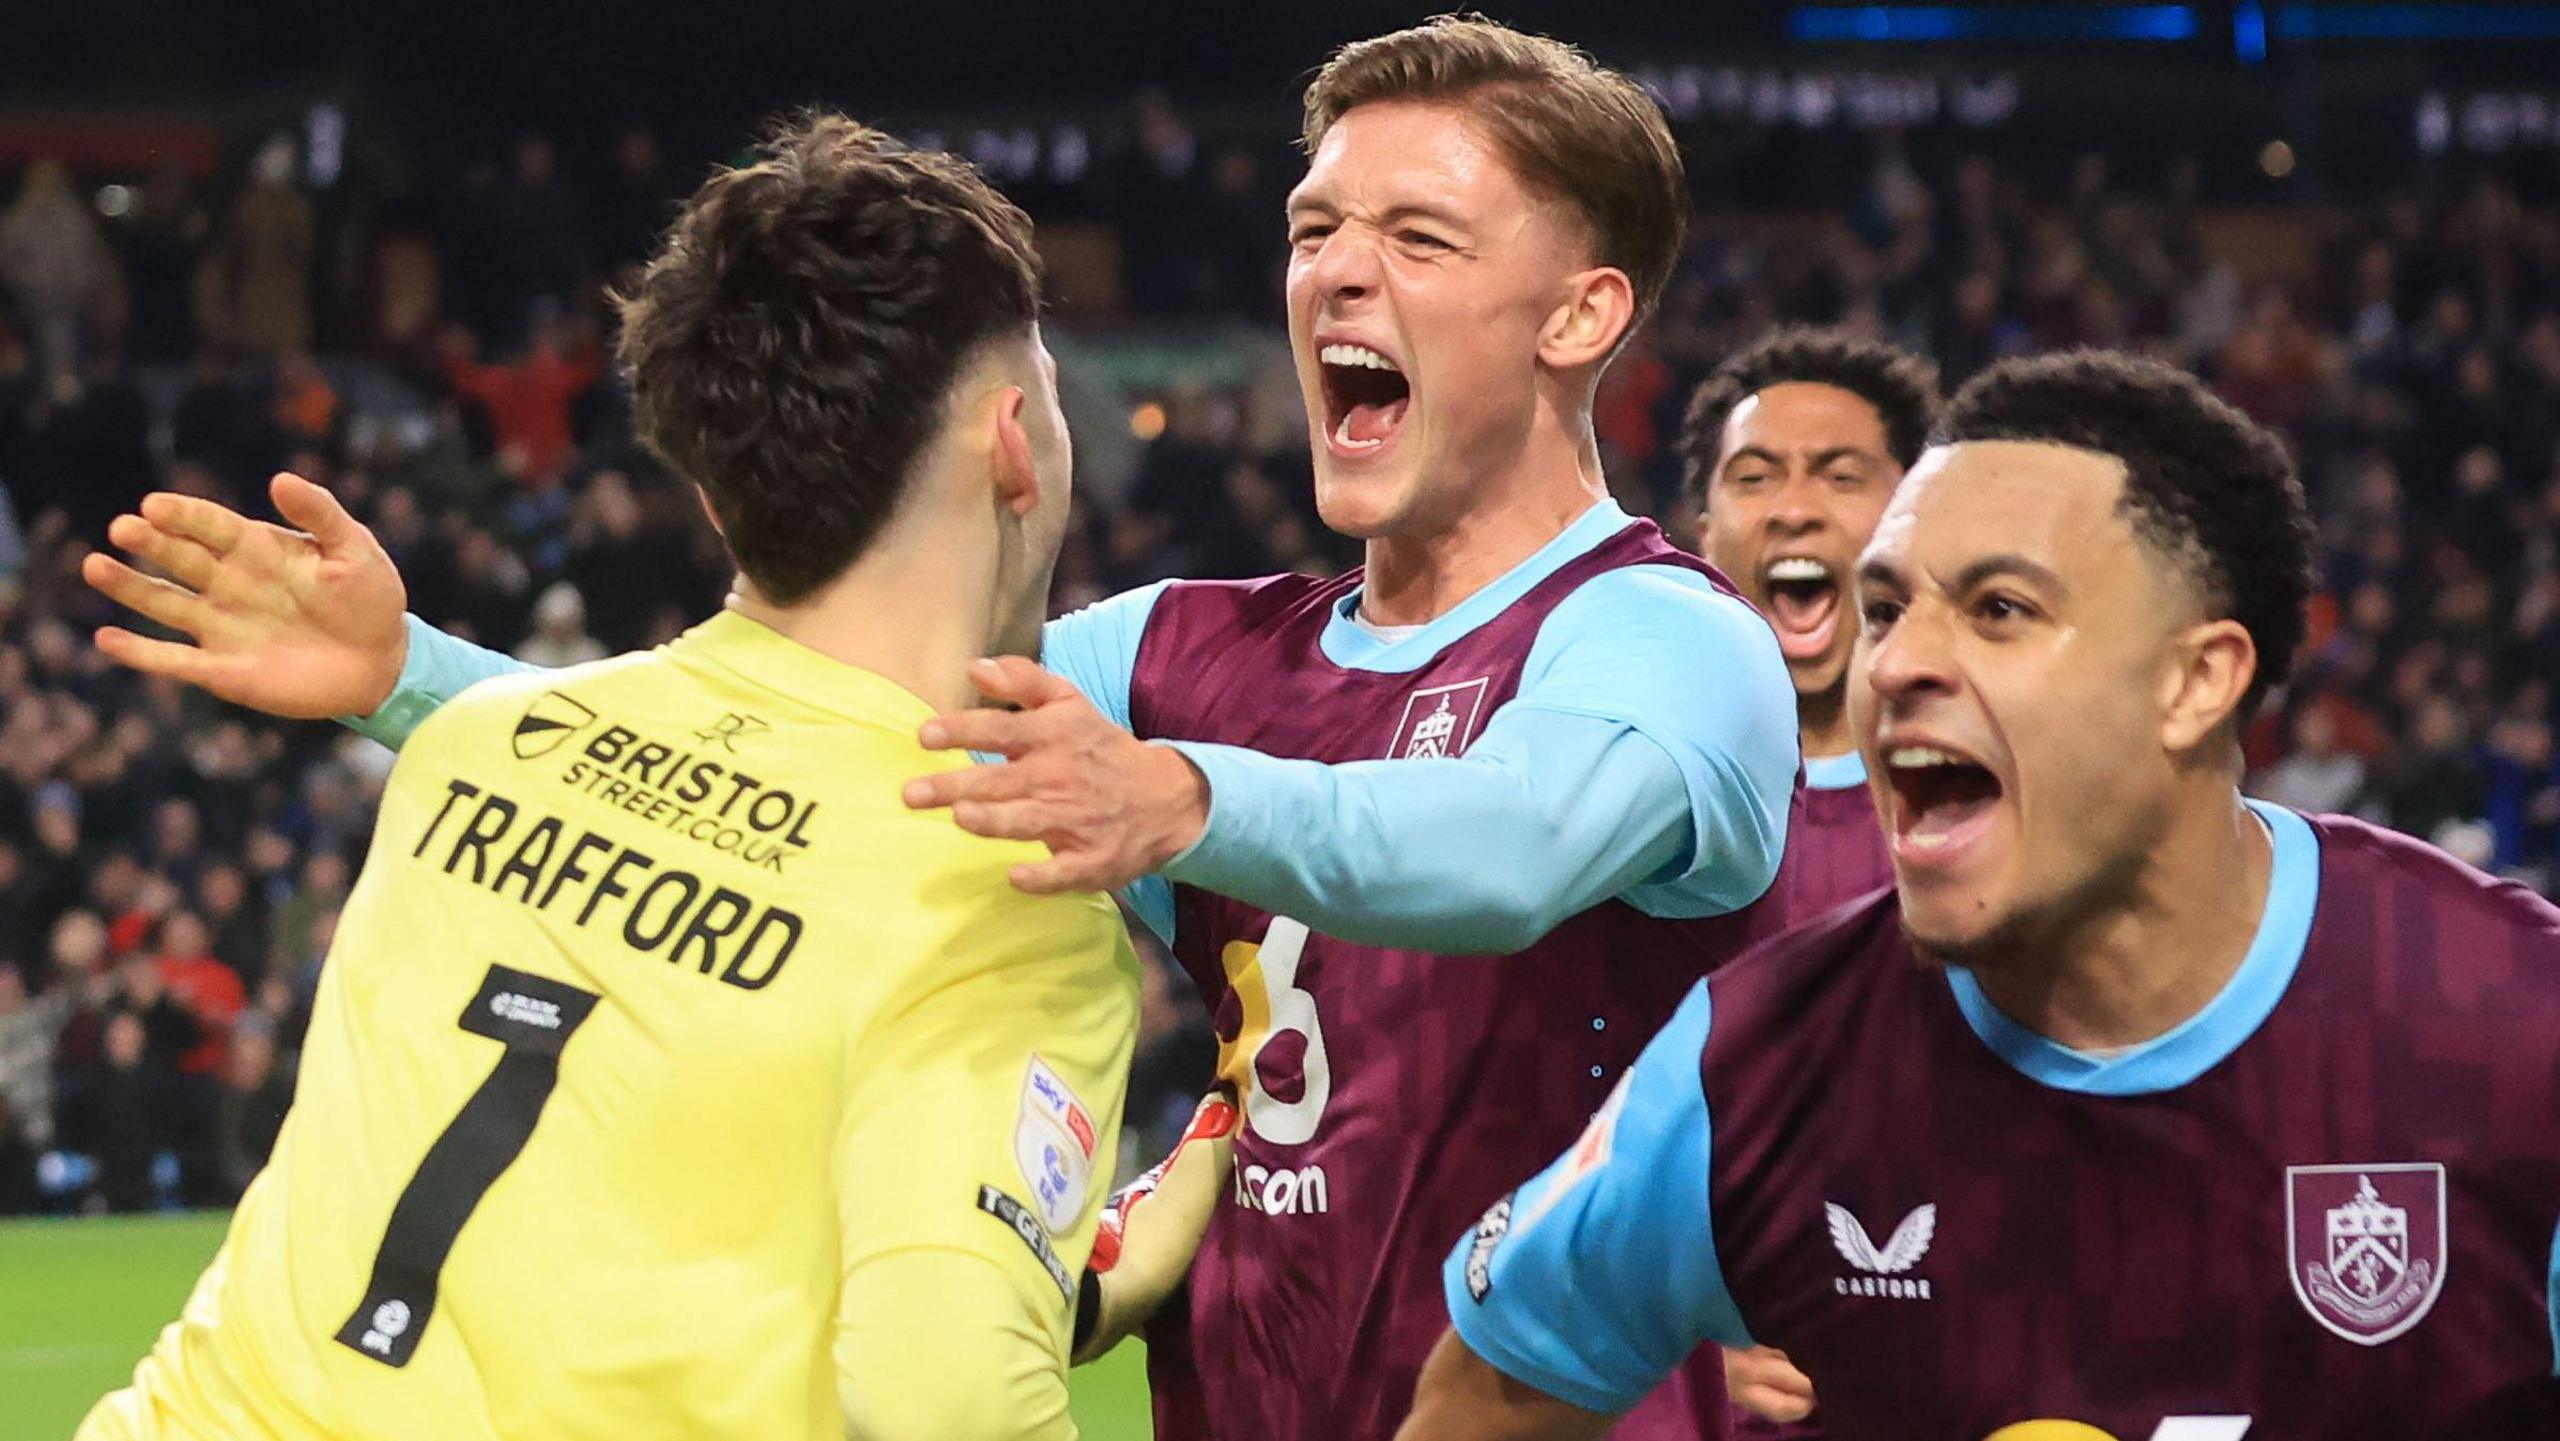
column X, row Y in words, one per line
column 533, row 1018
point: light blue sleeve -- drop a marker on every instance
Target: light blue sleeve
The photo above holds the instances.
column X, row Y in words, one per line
column 1546, row 814
column 1650, row 753
column 1096, row 650
column 1699, row 673
column 439, row 668
column 1600, row 1275
column 2551, row 1296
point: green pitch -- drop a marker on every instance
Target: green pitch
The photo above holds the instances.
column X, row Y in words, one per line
column 80, row 1301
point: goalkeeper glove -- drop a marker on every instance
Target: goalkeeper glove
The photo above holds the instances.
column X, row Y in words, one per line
column 1151, row 1228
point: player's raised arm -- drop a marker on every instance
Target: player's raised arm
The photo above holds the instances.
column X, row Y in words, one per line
column 1650, row 749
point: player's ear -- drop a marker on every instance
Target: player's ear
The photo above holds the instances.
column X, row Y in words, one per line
column 709, row 511
column 2210, row 670
column 1599, row 307
column 1016, row 476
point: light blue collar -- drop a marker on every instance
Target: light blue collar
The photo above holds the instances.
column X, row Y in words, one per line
column 2199, row 1043
column 1835, row 773
column 1352, row 648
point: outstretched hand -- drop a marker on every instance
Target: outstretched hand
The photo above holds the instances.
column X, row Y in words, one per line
column 299, row 623
column 1109, row 806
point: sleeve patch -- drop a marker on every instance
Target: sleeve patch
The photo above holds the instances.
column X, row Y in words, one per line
column 1053, row 1142
column 1018, row 1219
column 1488, row 1239
column 1588, row 1155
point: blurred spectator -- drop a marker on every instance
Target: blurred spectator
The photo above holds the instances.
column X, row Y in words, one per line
column 1163, row 270
column 2523, row 809
column 621, row 567
column 2318, row 775
column 256, row 291
column 29, row 1031
column 637, row 201
column 2434, row 782
column 529, row 400
column 256, row 1092
column 122, row 1114
column 163, row 243
column 560, row 630
column 544, row 246
column 323, row 888
column 58, row 270
column 210, row 991
column 237, row 917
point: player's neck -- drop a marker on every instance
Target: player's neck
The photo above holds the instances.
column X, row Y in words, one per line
column 912, row 609
column 1418, row 576
column 1822, row 722
column 2139, row 969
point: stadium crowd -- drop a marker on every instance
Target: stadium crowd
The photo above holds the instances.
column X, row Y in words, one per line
column 171, row 869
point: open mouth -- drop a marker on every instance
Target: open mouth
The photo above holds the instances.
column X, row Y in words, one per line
column 1943, row 801
column 1365, row 398
column 1804, row 605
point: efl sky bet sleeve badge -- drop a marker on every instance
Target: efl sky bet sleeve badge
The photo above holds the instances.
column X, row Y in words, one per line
column 1053, row 1142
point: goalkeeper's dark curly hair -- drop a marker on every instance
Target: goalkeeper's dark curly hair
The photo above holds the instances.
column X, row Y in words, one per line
column 2205, row 486
column 1901, row 386
column 790, row 343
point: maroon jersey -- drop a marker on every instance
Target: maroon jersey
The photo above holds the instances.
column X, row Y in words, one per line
column 2341, row 1225
column 1389, row 1094
column 1835, row 853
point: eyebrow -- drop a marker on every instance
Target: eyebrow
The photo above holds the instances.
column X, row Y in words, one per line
column 2011, row 564
column 1879, row 571
column 1300, row 205
column 1821, row 458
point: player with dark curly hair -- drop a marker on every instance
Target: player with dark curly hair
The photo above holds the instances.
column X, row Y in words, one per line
column 2138, row 1109
column 1790, row 451
column 667, row 1076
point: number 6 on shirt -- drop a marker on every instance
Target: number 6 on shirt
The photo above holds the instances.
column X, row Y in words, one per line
column 1264, row 979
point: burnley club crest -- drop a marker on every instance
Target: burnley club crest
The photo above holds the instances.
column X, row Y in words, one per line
column 2366, row 1245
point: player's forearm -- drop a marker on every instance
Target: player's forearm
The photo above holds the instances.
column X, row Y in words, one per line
column 439, row 667
column 1462, row 1398
column 936, row 1345
column 1482, row 853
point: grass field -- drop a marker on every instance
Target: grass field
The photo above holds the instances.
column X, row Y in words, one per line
column 80, row 1301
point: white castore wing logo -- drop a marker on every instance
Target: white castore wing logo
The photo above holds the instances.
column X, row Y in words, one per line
column 1910, row 1240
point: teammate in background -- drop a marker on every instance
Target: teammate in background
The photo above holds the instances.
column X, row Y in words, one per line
column 1791, row 450
column 667, row 1076
column 1440, row 842
column 2137, row 1104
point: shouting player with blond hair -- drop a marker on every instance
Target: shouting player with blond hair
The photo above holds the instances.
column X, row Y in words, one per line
column 667, row 1076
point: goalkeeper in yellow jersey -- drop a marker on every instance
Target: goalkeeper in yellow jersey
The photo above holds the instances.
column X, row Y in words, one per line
column 669, row 1077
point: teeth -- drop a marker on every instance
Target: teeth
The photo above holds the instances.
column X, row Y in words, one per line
column 1912, row 758
column 1342, row 437
column 1798, row 567
column 1359, row 355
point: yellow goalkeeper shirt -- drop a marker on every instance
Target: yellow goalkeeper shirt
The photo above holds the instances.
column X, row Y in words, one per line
column 669, row 1078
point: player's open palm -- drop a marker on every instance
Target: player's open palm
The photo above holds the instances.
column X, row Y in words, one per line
column 1109, row 806
column 302, row 623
